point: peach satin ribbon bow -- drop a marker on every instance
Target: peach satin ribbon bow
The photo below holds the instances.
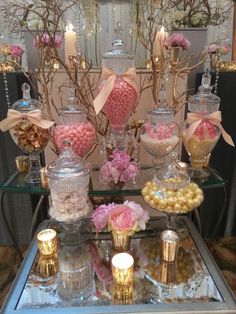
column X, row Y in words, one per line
column 109, row 76
column 34, row 116
column 194, row 119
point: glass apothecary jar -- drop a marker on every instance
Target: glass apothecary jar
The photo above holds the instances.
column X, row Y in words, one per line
column 118, row 92
column 75, row 128
column 29, row 130
column 160, row 135
column 76, row 279
column 171, row 191
column 200, row 132
column 68, row 183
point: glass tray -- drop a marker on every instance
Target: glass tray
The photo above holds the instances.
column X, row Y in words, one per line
column 197, row 285
column 15, row 183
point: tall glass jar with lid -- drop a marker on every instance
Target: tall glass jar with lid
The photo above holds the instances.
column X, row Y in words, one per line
column 200, row 132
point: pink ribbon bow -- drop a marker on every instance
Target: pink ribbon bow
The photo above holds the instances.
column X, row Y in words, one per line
column 194, row 119
column 34, row 116
column 109, row 76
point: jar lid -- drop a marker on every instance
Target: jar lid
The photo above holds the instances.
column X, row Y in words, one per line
column 204, row 100
column 118, row 50
column 26, row 104
column 67, row 165
column 174, row 175
column 72, row 106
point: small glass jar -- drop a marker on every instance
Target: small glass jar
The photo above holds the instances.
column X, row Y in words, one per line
column 29, row 137
column 160, row 135
column 68, row 183
column 76, row 281
column 200, row 142
column 75, row 128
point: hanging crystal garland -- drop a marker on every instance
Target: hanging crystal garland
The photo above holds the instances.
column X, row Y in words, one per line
column 218, row 57
column 78, row 27
column 6, row 90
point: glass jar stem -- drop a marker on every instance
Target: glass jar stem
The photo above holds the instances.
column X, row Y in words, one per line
column 33, row 176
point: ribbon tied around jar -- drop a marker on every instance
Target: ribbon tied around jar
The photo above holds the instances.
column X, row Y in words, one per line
column 195, row 119
column 34, row 116
column 109, row 77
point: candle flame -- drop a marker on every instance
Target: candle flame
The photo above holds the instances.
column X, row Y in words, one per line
column 162, row 29
column 69, row 27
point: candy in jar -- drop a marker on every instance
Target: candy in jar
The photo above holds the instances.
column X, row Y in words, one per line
column 75, row 128
column 68, row 183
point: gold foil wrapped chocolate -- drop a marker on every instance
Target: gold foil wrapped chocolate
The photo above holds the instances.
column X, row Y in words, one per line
column 30, row 137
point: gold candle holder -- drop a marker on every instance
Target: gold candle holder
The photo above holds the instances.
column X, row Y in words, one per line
column 47, row 266
column 22, row 164
column 169, row 245
column 47, row 242
column 168, row 272
column 44, row 177
column 122, row 295
column 122, row 269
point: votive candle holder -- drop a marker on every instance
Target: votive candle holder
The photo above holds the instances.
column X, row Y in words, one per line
column 47, row 242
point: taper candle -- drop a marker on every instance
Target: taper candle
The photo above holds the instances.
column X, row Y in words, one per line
column 70, row 43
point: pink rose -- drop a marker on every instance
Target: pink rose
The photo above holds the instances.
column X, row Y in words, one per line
column 109, row 173
column 16, row 51
column 120, row 159
column 122, row 218
column 140, row 215
column 101, row 215
column 178, row 40
column 45, row 40
column 130, row 173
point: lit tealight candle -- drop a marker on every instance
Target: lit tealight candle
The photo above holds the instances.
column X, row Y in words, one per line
column 47, row 242
column 122, row 269
column 70, row 43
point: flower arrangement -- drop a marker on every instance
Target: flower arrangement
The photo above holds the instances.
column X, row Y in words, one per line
column 119, row 169
column 127, row 218
column 44, row 40
column 178, row 40
column 223, row 48
column 15, row 51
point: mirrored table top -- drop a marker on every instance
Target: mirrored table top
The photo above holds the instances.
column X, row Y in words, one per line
column 192, row 285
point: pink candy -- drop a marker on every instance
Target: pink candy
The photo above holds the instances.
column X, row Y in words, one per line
column 206, row 130
column 120, row 103
column 160, row 131
column 82, row 137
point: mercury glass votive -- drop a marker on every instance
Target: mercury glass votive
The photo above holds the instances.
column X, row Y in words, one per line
column 44, row 177
column 47, row 266
column 122, row 269
column 47, row 242
column 22, row 164
column 169, row 245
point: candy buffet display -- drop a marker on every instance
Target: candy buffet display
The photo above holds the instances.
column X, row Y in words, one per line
column 74, row 127
column 117, row 93
column 29, row 130
column 68, row 183
column 202, row 129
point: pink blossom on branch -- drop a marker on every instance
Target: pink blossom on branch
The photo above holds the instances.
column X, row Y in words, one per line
column 178, row 40
column 16, row 51
column 45, row 40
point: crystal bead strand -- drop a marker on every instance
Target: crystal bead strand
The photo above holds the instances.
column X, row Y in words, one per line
column 6, row 90
column 217, row 72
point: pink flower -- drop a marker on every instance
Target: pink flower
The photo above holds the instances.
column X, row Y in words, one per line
column 101, row 215
column 45, row 40
column 16, row 51
column 225, row 48
column 212, row 48
column 141, row 215
column 120, row 159
column 122, row 219
column 109, row 173
column 178, row 40
column 130, row 173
